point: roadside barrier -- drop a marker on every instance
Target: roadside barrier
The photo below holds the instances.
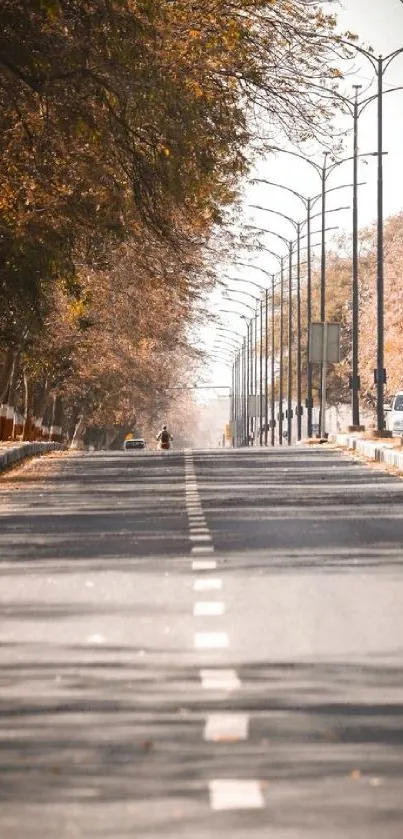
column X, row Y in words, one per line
column 16, row 452
column 382, row 452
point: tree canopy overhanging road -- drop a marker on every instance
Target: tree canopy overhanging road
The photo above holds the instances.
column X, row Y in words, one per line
column 126, row 129
column 201, row 644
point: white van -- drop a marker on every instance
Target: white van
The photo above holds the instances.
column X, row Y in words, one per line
column 396, row 414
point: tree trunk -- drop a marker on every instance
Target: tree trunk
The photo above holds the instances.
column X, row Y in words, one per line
column 6, row 370
column 79, row 431
column 41, row 395
column 47, row 420
column 18, row 426
column 27, row 431
column 56, row 428
column 7, row 432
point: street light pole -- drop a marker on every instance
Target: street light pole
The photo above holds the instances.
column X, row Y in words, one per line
column 245, row 391
column 323, row 171
column 379, row 67
column 247, row 384
column 261, row 376
column 323, row 244
column 281, row 381
column 266, row 381
column 299, row 358
column 239, row 411
column 262, row 288
column 355, row 381
column 272, row 392
column 255, row 388
column 381, row 372
column 309, row 391
column 232, row 404
column 290, row 337
column 289, row 247
column 308, row 203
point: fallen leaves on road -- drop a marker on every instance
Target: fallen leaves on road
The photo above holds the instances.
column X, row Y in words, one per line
column 33, row 470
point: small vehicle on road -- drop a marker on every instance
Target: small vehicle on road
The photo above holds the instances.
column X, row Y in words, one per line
column 134, row 443
column 396, row 414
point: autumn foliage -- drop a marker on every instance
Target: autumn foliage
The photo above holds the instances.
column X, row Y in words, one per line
column 126, row 126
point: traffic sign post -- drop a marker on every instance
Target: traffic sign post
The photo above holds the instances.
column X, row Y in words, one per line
column 324, row 349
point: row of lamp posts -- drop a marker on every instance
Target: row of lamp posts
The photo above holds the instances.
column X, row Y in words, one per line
column 244, row 354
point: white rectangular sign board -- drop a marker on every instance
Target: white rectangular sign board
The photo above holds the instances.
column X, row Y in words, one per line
column 256, row 405
column 316, row 348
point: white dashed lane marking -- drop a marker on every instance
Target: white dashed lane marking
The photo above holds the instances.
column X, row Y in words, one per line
column 235, row 795
column 207, row 584
column 208, row 608
column 211, row 640
column 202, row 549
column 204, row 565
column 199, row 533
column 225, row 794
column 217, row 679
column 226, row 727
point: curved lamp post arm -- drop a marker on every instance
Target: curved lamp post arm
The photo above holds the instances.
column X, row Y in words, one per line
column 337, row 163
column 234, row 338
column 223, row 357
column 360, row 104
column 312, row 163
column 231, row 332
column 241, row 280
column 272, row 233
column 225, row 353
column 240, row 291
column 303, row 198
column 226, row 362
column 240, row 303
column 336, row 210
column 386, row 59
column 257, row 267
column 234, row 312
column 276, row 213
column 224, row 341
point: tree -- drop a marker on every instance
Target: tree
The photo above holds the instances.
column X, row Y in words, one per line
column 127, row 125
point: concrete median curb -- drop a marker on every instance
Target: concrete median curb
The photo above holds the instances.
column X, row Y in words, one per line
column 374, row 450
column 14, row 453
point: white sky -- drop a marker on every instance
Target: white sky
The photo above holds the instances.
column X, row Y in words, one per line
column 379, row 24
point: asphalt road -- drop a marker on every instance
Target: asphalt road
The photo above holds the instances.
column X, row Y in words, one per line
column 201, row 644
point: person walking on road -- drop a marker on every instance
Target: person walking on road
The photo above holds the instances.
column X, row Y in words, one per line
column 164, row 438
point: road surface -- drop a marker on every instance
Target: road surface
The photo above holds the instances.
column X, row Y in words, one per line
column 201, row 644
